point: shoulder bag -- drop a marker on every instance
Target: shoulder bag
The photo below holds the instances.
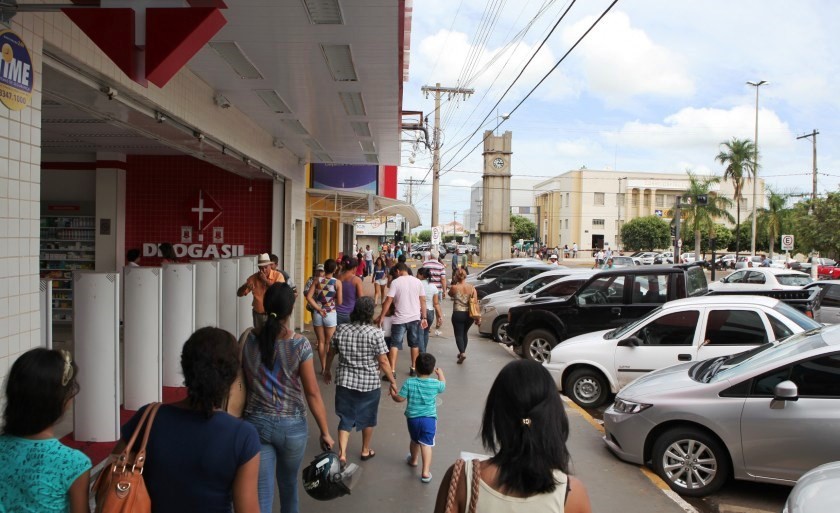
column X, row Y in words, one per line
column 451, row 496
column 121, row 488
column 475, row 311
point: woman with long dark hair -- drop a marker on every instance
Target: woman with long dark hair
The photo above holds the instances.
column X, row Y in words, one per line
column 525, row 428
column 351, row 289
column 460, row 291
column 280, row 376
column 323, row 296
column 37, row 472
column 380, row 281
column 200, row 458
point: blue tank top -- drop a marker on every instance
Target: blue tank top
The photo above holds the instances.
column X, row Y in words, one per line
column 378, row 273
column 348, row 297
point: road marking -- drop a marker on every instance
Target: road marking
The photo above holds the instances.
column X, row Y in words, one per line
column 652, row 477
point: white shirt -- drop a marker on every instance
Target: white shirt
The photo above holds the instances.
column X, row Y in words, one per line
column 368, row 255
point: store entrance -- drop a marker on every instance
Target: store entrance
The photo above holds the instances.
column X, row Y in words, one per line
column 597, row 242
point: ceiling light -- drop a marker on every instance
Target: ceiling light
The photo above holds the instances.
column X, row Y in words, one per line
column 367, row 146
column 340, row 62
column 293, row 126
column 312, row 144
column 273, row 101
column 353, row 103
column 323, row 12
column 233, row 55
column 221, row 101
column 361, row 128
column 373, row 159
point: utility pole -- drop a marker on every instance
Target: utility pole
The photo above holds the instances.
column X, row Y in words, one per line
column 450, row 92
column 813, row 134
column 454, row 215
column 677, row 219
column 411, row 182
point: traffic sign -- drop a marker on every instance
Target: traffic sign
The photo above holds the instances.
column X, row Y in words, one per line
column 658, row 213
column 436, row 235
column 787, row 242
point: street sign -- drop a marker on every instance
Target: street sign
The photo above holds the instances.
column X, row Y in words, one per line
column 787, row 242
column 436, row 235
column 658, row 213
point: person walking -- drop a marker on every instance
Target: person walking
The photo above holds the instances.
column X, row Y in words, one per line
column 37, row 472
column 409, row 298
column 351, row 289
column 280, row 376
column 323, row 296
column 421, row 412
column 433, row 314
column 524, row 427
column 362, row 352
column 437, row 270
column 198, row 457
column 368, row 260
column 380, row 280
column 574, row 250
column 460, row 291
column 256, row 285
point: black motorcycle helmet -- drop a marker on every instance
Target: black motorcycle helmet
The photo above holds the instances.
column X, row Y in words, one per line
column 324, row 479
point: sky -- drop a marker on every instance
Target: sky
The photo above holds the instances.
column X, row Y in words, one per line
column 655, row 86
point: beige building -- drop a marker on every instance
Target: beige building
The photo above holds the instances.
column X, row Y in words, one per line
column 588, row 207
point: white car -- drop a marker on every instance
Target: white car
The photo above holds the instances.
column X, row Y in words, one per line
column 588, row 368
column 762, row 278
column 748, row 261
column 647, row 258
column 687, row 258
column 494, row 308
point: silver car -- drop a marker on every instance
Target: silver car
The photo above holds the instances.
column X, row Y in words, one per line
column 769, row 414
column 816, row 491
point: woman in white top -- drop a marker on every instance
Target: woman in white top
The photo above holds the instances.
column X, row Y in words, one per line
column 433, row 312
column 525, row 428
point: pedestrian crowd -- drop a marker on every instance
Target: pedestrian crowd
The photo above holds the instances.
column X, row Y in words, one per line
column 203, row 453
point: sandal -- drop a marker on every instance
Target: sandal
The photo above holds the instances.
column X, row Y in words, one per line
column 426, row 479
column 369, row 455
column 461, row 358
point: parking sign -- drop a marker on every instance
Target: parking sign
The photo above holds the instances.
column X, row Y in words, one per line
column 436, row 235
column 787, row 242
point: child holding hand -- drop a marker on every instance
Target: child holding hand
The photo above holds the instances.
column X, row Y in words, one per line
column 421, row 411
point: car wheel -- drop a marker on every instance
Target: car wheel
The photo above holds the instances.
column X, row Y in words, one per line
column 500, row 329
column 691, row 461
column 538, row 344
column 587, row 387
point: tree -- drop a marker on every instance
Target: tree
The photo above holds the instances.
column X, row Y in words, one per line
column 813, row 224
column 522, row 228
column 424, row 235
column 702, row 217
column 723, row 238
column 772, row 218
column 738, row 157
column 646, row 233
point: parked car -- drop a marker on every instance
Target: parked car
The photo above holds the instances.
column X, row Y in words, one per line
column 762, row 278
column 769, row 414
column 824, row 266
column 647, row 258
column 816, row 491
column 513, row 277
column 747, row 261
column 492, row 272
column 494, row 308
column 829, row 312
column 687, row 258
column 664, row 258
column 608, row 300
column 623, row 261
column 588, row 368
column 725, row 262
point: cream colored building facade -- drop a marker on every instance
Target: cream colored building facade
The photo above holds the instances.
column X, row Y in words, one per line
column 588, row 207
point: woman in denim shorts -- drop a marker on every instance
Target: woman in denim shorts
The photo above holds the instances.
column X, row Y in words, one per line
column 323, row 296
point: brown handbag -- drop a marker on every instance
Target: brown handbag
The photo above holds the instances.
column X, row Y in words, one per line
column 457, row 470
column 121, row 488
column 475, row 311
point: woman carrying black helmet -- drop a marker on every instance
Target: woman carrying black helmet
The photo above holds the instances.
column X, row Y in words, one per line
column 525, row 429
column 280, row 376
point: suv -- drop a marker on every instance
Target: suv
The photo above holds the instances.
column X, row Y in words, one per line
column 607, row 300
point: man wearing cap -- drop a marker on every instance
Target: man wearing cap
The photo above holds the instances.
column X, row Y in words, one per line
column 552, row 260
column 257, row 284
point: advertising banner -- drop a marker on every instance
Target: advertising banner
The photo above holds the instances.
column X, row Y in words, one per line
column 345, row 177
column 15, row 72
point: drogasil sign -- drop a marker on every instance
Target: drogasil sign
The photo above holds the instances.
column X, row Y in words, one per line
column 197, row 250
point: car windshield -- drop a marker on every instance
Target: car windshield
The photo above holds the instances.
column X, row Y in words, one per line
column 801, row 320
column 630, row 327
column 769, row 353
column 622, row 260
column 796, row 280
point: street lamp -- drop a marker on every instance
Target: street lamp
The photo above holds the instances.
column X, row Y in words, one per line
column 755, row 166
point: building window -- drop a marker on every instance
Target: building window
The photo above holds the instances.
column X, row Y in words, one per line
column 599, row 198
column 567, row 224
column 598, row 222
column 567, row 199
column 619, row 199
column 646, row 199
column 660, row 200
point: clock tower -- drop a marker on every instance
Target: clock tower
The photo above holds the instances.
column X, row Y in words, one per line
column 494, row 227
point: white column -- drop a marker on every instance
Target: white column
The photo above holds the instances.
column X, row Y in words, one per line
column 96, row 332
column 110, row 214
column 244, row 318
column 228, row 284
column 206, row 293
column 178, row 318
column 143, row 336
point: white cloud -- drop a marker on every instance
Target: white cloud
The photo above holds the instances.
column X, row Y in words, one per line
column 621, row 61
column 577, row 149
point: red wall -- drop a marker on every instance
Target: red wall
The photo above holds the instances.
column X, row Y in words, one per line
column 389, row 182
column 161, row 190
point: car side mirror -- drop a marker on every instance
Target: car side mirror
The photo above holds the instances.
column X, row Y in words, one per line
column 786, row 391
column 633, row 341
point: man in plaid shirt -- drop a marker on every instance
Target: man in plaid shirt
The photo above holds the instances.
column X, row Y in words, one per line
column 361, row 353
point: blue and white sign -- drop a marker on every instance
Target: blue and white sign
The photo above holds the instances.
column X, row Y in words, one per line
column 658, row 213
column 15, row 71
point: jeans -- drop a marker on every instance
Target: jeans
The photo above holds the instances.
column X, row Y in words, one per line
column 368, row 267
column 411, row 331
column 424, row 337
column 461, row 322
column 283, row 442
column 342, row 318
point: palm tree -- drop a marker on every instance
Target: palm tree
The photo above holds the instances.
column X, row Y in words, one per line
column 772, row 217
column 738, row 156
column 703, row 217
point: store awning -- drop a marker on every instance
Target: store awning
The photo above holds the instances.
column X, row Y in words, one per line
column 348, row 206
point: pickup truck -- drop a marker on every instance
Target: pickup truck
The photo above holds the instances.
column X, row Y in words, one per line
column 605, row 301
column 610, row 299
column 825, row 267
column 807, row 301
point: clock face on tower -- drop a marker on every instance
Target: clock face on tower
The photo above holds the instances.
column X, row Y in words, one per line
column 498, row 162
